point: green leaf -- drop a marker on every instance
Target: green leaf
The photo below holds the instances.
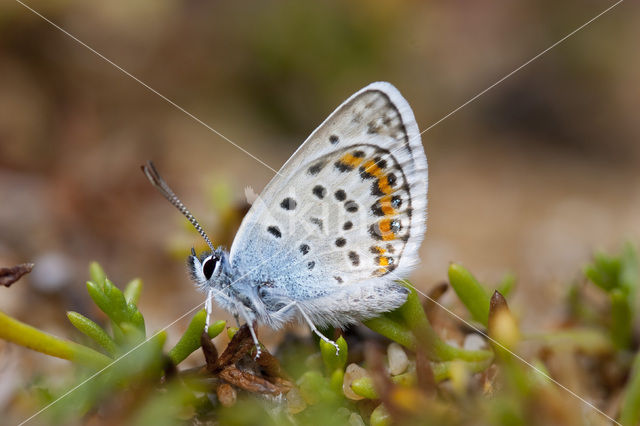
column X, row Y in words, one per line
column 364, row 387
column 417, row 321
column 132, row 334
column 190, row 340
column 94, row 331
column 332, row 360
column 629, row 269
column 621, row 318
column 136, row 318
column 118, row 307
column 336, row 379
column 97, row 273
column 380, row 416
column 132, row 291
column 604, row 271
column 470, row 292
column 216, row 328
column 393, row 330
column 32, row 338
column 409, row 325
column 231, row 331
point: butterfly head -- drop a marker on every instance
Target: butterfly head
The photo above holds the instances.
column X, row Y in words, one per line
column 209, row 269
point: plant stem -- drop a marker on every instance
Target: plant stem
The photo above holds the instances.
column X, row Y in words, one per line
column 32, row 338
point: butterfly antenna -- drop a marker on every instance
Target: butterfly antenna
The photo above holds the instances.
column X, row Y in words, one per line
column 157, row 181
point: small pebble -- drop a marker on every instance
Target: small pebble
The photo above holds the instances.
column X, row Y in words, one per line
column 474, row 342
column 353, row 372
column 295, row 402
column 226, row 395
column 398, row 360
column 356, row 420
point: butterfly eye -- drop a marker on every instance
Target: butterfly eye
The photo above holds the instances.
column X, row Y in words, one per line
column 209, row 266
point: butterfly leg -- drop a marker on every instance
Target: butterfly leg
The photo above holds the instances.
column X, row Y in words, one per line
column 208, row 306
column 315, row 330
column 249, row 322
column 281, row 314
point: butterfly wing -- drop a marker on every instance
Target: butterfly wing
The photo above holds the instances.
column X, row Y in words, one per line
column 347, row 208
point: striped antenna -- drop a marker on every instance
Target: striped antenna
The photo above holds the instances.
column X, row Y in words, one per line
column 157, row 181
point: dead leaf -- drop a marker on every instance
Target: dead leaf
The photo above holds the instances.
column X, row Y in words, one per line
column 248, row 381
column 10, row 275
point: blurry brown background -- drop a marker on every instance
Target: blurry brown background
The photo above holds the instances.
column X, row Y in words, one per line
column 530, row 178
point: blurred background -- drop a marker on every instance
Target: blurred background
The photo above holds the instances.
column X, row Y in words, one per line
column 530, row 178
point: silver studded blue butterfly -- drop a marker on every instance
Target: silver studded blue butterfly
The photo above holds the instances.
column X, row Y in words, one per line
column 344, row 211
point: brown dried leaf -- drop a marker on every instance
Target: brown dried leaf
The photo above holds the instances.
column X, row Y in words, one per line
column 239, row 346
column 424, row 373
column 248, row 381
column 209, row 350
column 430, row 307
column 269, row 364
column 10, row 275
column 497, row 303
column 283, row 384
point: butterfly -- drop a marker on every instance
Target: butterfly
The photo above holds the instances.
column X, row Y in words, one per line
column 331, row 233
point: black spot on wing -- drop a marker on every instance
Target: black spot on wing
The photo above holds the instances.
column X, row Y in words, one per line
column 319, row 191
column 275, row 231
column 364, row 173
column 355, row 259
column 288, row 203
column 374, row 231
column 316, row 221
column 340, row 242
column 315, row 169
column 340, row 195
column 392, row 179
column 304, row 249
column 343, row 167
column 382, row 164
column 376, row 209
column 351, row 206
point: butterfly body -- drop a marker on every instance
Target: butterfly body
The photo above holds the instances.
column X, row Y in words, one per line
column 333, row 231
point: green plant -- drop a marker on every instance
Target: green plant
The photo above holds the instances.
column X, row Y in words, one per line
column 123, row 364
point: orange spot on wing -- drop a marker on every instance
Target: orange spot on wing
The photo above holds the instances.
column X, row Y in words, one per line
column 385, row 230
column 384, row 261
column 351, row 160
column 386, row 207
column 383, row 185
column 372, row 168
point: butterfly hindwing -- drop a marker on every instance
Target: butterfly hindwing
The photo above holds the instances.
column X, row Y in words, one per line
column 347, row 209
